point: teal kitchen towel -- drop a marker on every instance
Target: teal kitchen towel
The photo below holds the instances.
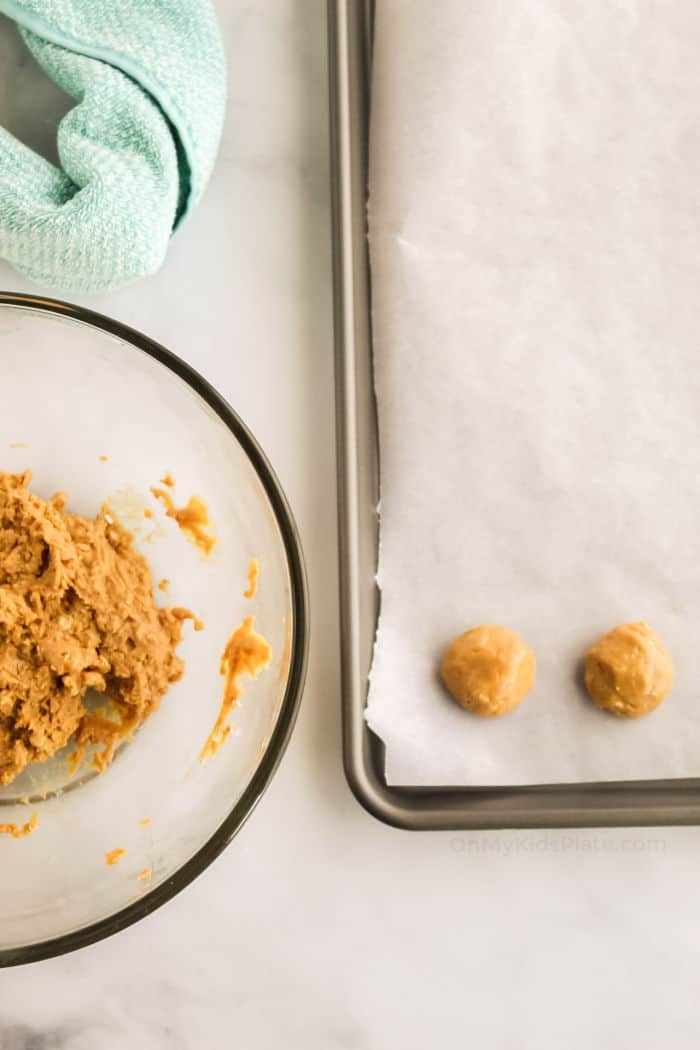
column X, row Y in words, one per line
column 136, row 151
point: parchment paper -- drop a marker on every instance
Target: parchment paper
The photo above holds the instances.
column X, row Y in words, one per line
column 535, row 240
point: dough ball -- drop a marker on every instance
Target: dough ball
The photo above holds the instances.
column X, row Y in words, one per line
column 488, row 670
column 629, row 671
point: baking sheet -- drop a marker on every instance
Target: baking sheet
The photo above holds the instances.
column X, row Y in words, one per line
column 534, row 329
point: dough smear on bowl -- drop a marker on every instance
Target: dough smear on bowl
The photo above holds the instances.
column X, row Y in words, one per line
column 76, row 612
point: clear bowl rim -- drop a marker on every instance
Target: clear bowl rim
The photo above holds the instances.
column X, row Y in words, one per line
column 281, row 733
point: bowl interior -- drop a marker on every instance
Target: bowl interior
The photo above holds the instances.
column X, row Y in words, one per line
column 72, row 393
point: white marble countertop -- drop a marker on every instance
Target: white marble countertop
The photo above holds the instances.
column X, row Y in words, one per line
column 319, row 928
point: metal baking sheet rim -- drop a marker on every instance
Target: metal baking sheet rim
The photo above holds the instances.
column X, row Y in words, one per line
column 619, row 804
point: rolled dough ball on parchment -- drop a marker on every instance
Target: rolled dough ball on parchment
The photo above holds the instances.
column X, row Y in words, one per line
column 629, row 671
column 488, row 670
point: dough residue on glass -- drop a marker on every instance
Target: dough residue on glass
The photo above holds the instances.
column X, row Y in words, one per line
column 192, row 519
column 113, row 856
column 248, row 653
column 75, row 761
column 77, row 612
column 20, row 831
column 253, row 577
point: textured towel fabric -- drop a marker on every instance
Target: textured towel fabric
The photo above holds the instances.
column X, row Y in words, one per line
column 149, row 77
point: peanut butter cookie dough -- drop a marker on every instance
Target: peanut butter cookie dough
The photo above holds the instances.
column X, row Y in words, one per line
column 488, row 670
column 192, row 519
column 246, row 652
column 629, row 671
column 76, row 612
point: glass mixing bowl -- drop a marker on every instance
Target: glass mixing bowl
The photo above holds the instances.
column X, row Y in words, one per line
column 77, row 387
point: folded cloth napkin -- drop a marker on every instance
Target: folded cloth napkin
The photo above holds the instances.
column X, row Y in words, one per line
column 149, row 77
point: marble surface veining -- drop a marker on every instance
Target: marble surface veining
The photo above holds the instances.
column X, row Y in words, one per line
column 319, row 928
